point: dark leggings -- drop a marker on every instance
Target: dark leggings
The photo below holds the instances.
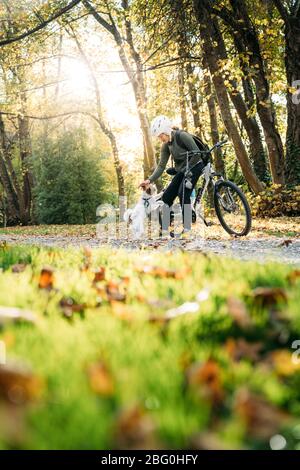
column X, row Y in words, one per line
column 175, row 189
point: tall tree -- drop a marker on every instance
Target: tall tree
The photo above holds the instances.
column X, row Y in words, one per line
column 249, row 121
column 105, row 128
column 129, row 57
column 214, row 130
column 211, row 62
column 290, row 13
column 240, row 23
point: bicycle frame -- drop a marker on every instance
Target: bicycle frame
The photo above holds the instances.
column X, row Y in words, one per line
column 208, row 174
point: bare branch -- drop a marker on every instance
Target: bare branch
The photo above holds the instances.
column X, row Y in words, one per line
column 42, row 25
column 109, row 27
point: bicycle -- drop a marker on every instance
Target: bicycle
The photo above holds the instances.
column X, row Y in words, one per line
column 230, row 203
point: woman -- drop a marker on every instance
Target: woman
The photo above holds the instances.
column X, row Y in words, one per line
column 176, row 143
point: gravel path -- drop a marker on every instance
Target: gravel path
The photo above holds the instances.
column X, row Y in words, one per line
column 264, row 249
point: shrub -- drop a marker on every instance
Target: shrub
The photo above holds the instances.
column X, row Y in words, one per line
column 276, row 201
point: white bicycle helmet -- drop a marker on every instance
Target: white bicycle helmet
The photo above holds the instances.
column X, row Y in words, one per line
column 161, row 125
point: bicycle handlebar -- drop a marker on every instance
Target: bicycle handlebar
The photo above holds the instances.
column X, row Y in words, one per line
column 198, row 152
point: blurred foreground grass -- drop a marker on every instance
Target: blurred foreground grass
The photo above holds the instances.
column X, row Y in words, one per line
column 110, row 349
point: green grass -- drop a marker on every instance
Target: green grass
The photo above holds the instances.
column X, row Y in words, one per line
column 146, row 362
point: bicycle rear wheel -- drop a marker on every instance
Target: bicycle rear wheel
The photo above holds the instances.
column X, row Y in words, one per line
column 232, row 208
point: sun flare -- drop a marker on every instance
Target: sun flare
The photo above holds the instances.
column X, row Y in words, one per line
column 79, row 78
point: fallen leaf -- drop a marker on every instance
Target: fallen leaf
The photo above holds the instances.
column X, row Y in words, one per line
column 19, row 385
column 269, row 296
column 238, row 310
column 113, row 291
column 286, row 243
column 262, row 419
column 13, row 426
column 134, row 429
column 46, row 279
column 293, row 276
column 207, row 378
column 69, row 306
column 158, row 271
column 240, row 349
column 100, row 379
column 99, row 275
column 13, row 314
column 18, row 268
column 140, row 298
column 158, row 319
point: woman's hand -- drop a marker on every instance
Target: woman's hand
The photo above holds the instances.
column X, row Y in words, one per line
column 145, row 184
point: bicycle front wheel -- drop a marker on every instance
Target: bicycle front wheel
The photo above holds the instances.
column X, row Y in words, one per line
column 232, row 208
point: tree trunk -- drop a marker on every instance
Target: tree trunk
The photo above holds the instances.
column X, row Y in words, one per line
column 292, row 61
column 210, row 59
column 292, row 65
column 194, row 99
column 245, row 31
column 136, row 78
column 214, row 131
column 100, row 119
column 182, row 101
column 25, row 154
column 13, row 209
column 250, row 124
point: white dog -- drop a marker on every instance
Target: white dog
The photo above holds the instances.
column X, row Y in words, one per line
column 136, row 216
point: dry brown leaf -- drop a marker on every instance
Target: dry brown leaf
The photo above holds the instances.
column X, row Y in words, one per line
column 100, row 379
column 99, row 275
column 240, row 349
column 286, row 243
column 18, row 268
column 125, row 280
column 293, row 276
column 158, row 271
column 69, row 306
column 262, row 419
column 238, row 310
column 13, row 429
column 159, row 320
column 135, row 429
column 46, row 279
column 85, row 268
column 13, row 314
column 115, row 291
column 140, row 298
column 206, row 377
column 269, row 296
column 18, row 385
